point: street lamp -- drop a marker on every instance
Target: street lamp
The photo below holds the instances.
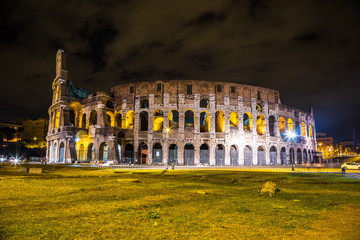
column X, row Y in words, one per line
column 291, row 136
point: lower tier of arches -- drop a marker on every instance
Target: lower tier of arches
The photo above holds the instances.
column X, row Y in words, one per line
column 217, row 154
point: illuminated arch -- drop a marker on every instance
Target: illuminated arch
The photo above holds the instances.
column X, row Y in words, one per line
column 258, row 108
column 204, row 121
column 189, row 118
column 311, row 135
column 282, row 125
column 57, row 119
column 174, row 119
column 81, row 153
column 260, row 124
column 303, row 129
column 248, row 122
column 158, row 120
column 109, row 119
column 219, row 121
column 129, row 122
column 234, row 119
column 290, row 125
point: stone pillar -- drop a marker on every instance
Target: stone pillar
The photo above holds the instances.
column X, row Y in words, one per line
column 212, row 147
column 241, row 154
column 181, row 154
column 197, row 154
column 227, row 154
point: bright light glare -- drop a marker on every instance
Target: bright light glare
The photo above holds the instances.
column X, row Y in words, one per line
column 291, row 134
column 167, row 130
column 77, row 139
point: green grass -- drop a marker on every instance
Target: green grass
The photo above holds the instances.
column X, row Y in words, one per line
column 88, row 203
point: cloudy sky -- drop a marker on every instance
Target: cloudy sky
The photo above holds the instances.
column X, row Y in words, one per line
column 308, row 50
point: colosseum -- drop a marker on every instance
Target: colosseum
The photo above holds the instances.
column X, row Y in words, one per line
column 181, row 122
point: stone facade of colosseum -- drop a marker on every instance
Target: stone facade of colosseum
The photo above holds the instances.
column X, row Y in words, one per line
column 184, row 122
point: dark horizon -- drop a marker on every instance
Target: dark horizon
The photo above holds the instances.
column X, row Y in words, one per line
column 306, row 50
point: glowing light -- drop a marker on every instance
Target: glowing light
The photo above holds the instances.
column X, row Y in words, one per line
column 167, row 130
column 77, row 139
column 290, row 134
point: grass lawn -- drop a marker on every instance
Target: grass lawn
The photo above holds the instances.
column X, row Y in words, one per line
column 85, row 203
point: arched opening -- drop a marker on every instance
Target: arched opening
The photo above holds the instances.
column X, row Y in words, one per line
column 261, row 154
column 248, row 122
column 297, row 129
column 107, row 119
column 174, row 119
column 303, row 129
column 103, row 152
column 144, row 103
column 189, row 154
column 61, row 152
column 144, row 121
column 91, row 152
column 290, row 125
column 260, row 124
column 57, row 119
column 129, row 153
column 157, row 153
column 234, row 155
column 282, row 126
column 129, row 123
column 81, row 153
column 143, row 153
column 54, row 158
column 83, row 121
column 93, row 118
column 273, row 155
column 173, row 154
column 189, row 118
column 118, row 153
column 118, row 120
column 204, row 121
column 158, row 120
column 219, row 121
column 204, row 154
column 248, row 156
column 311, row 132
column 283, row 155
column 109, row 104
column 298, row 156
column 220, row 155
column 234, row 119
column 204, row 103
column 258, row 108
column 72, row 117
column 291, row 156
column 305, row 156
column 272, row 126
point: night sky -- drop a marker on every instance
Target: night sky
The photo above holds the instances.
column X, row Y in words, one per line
column 308, row 50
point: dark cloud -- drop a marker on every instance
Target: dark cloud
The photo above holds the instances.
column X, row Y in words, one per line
column 308, row 50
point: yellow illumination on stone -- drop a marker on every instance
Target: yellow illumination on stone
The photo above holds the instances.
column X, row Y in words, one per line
column 260, row 124
column 220, row 121
column 158, row 121
column 234, row 119
column 290, row 125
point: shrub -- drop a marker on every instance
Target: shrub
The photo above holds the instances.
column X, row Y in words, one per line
column 269, row 188
column 154, row 215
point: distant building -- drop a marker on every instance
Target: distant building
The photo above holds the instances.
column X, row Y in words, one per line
column 325, row 145
column 35, row 132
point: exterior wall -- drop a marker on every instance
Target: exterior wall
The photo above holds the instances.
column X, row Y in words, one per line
column 173, row 96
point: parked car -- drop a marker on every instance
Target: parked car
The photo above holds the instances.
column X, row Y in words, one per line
column 351, row 165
